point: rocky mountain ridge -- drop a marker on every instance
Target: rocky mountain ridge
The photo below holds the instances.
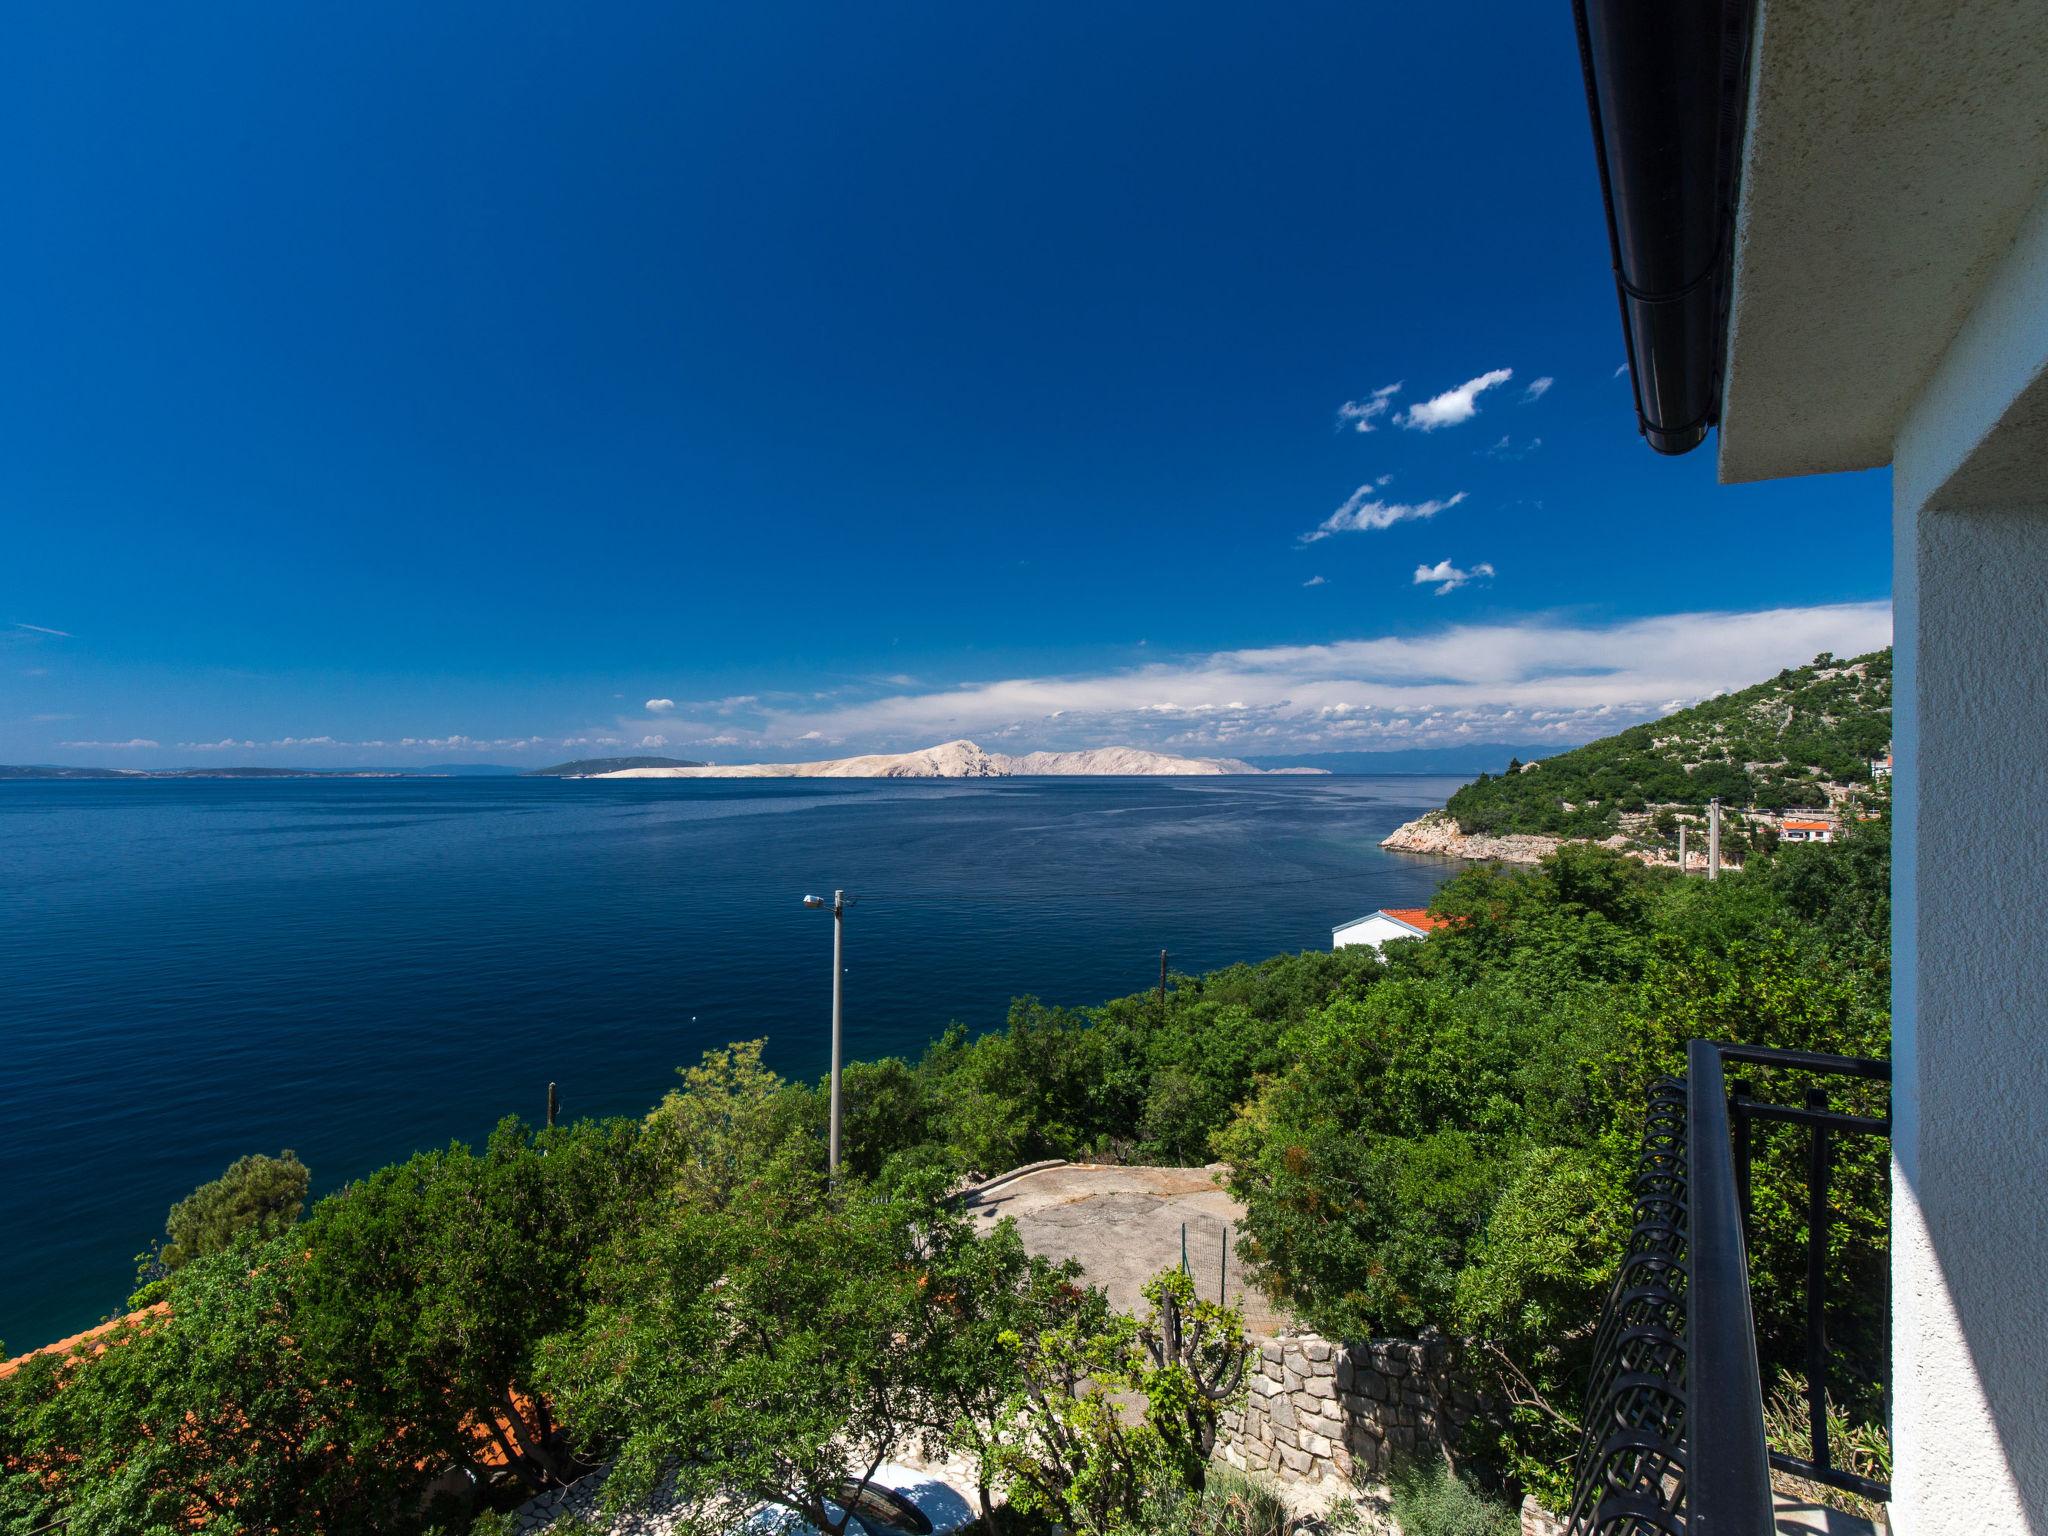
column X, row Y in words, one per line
column 965, row 760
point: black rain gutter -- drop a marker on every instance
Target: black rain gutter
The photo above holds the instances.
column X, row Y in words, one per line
column 1667, row 87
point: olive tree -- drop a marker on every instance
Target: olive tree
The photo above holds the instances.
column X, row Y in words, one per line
column 781, row 1344
column 1070, row 1446
column 432, row 1282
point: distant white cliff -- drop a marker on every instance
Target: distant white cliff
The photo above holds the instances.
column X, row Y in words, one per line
column 964, row 760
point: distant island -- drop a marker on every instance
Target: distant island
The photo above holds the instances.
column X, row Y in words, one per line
column 949, row 760
column 598, row 767
column 965, row 760
column 60, row 771
column 1792, row 751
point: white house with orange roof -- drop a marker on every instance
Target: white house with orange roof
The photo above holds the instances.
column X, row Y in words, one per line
column 1792, row 830
column 1388, row 923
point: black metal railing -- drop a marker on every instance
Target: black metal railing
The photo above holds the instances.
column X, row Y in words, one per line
column 1674, row 1439
column 1824, row 1126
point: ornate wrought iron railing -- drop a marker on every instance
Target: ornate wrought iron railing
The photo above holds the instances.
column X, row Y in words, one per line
column 1825, row 1126
column 1674, row 1440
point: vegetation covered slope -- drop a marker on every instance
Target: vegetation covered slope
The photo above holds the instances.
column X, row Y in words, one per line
column 1443, row 1135
column 1777, row 746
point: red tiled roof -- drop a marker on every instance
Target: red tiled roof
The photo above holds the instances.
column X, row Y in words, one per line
column 486, row 1449
column 65, row 1346
column 1416, row 917
column 1809, row 826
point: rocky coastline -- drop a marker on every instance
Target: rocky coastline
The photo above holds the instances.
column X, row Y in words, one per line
column 1437, row 833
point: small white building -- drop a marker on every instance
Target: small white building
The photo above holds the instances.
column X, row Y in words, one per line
column 1377, row 928
column 1790, row 831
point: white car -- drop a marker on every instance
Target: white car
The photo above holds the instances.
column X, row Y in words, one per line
column 897, row 1501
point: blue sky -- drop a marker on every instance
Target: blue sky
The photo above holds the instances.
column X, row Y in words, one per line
column 390, row 383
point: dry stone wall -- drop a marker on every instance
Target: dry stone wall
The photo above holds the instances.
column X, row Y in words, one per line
column 1322, row 1410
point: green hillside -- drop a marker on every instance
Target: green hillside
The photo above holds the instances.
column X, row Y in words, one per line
column 1777, row 746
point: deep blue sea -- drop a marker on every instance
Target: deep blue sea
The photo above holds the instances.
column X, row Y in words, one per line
column 195, row 969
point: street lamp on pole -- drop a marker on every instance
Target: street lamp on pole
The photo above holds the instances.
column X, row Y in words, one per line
column 839, row 905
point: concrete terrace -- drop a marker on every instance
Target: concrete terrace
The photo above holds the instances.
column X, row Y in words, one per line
column 1124, row 1225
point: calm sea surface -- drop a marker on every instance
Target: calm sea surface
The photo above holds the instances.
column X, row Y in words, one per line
column 191, row 970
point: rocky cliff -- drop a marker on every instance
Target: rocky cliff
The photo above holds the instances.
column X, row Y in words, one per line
column 1437, row 833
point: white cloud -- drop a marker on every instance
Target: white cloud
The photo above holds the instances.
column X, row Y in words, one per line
column 1363, row 511
column 1314, row 581
column 1621, row 370
column 660, row 706
column 110, row 746
column 1363, row 413
column 1539, row 680
column 653, row 741
column 61, row 634
column 1537, row 389
column 457, row 743
column 1449, row 575
column 1453, row 405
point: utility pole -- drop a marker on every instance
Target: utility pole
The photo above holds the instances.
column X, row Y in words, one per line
column 1681, row 848
column 1714, row 838
column 838, row 982
column 554, row 1106
column 1162, row 986
column 839, row 906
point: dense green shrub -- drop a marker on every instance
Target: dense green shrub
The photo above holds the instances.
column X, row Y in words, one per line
column 257, row 1197
column 1453, row 1147
column 1235, row 1504
column 211, row 1416
column 1431, row 1500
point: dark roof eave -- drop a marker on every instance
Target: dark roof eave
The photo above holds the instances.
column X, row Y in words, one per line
column 1667, row 94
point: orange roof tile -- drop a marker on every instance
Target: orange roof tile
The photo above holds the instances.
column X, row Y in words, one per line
column 65, row 1346
column 486, row 1448
column 1809, row 826
column 1416, row 917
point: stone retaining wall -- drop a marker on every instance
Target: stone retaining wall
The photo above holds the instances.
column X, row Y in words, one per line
column 1322, row 1410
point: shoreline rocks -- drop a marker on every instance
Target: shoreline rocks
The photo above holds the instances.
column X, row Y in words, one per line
column 1436, row 833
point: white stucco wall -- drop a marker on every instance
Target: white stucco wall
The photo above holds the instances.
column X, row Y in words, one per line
column 1373, row 931
column 1970, row 924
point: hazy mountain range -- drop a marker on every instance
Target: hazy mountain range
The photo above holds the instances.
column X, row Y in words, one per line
column 965, row 760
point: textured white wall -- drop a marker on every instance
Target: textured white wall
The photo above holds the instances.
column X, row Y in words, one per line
column 1970, row 924
column 1372, row 932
